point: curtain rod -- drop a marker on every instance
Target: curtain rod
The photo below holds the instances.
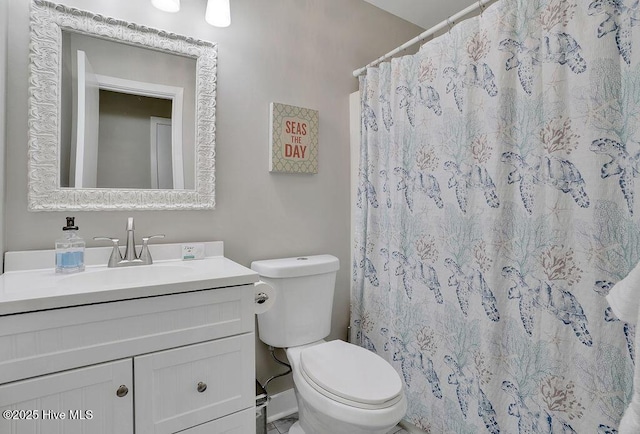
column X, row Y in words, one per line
column 449, row 22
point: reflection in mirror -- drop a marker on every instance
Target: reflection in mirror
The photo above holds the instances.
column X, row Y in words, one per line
column 121, row 116
column 124, row 157
column 109, row 129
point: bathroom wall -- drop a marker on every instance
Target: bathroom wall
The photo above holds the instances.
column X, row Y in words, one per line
column 3, row 98
column 298, row 52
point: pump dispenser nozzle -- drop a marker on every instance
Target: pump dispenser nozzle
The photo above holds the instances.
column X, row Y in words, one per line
column 70, row 224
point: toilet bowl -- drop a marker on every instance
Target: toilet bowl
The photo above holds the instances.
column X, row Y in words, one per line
column 344, row 389
column 340, row 388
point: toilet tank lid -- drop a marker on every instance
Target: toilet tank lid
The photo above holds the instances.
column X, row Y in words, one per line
column 296, row 266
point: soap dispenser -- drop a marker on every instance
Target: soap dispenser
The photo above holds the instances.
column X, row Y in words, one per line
column 70, row 249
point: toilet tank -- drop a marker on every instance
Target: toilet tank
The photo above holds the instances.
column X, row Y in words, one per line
column 302, row 310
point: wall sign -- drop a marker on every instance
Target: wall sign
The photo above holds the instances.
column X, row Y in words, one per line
column 293, row 139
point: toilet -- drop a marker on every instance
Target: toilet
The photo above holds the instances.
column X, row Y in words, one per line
column 340, row 388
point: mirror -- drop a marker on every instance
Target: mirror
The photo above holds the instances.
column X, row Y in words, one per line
column 106, row 131
column 122, row 123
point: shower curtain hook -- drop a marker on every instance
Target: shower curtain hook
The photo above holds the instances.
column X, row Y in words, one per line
column 482, row 7
column 450, row 24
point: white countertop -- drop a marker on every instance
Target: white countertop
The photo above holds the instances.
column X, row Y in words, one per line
column 27, row 290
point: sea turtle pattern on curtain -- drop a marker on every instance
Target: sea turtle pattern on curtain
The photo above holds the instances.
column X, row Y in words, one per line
column 495, row 210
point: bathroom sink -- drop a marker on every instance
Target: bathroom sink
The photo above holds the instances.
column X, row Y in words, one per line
column 126, row 276
column 31, row 284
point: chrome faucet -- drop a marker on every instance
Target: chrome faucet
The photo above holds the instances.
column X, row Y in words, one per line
column 130, row 250
column 130, row 256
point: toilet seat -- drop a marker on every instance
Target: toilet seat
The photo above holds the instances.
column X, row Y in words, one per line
column 351, row 375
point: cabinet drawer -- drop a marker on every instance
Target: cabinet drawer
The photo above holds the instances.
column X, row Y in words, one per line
column 242, row 422
column 188, row 386
column 77, row 401
column 44, row 342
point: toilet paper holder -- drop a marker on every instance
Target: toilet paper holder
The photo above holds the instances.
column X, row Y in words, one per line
column 261, row 297
column 264, row 297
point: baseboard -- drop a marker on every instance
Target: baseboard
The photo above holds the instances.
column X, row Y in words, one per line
column 281, row 405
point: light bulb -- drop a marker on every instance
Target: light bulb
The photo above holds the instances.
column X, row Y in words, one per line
column 218, row 13
column 167, row 5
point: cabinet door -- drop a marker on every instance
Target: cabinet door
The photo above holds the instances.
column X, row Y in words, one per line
column 80, row 401
column 242, row 422
column 188, row 386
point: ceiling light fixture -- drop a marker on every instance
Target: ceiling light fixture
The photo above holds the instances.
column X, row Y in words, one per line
column 167, row 5
column 218, row 13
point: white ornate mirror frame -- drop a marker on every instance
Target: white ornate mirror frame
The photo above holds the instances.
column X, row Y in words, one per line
column 44, row 191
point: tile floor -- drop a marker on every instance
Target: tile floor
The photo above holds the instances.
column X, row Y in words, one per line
column 281, row 426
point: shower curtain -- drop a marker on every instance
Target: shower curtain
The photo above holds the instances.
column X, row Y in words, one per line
column 495, row 210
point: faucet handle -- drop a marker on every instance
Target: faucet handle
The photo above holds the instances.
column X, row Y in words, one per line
column 106, row 239
column 145, row 255
column 116, row 255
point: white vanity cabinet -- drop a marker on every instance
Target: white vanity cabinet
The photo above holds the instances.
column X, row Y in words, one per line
column 133, row 362
column 189, row 386
column 75, row 401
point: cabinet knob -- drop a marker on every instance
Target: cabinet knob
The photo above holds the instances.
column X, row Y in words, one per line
column 202, row 387
column 122, row 391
